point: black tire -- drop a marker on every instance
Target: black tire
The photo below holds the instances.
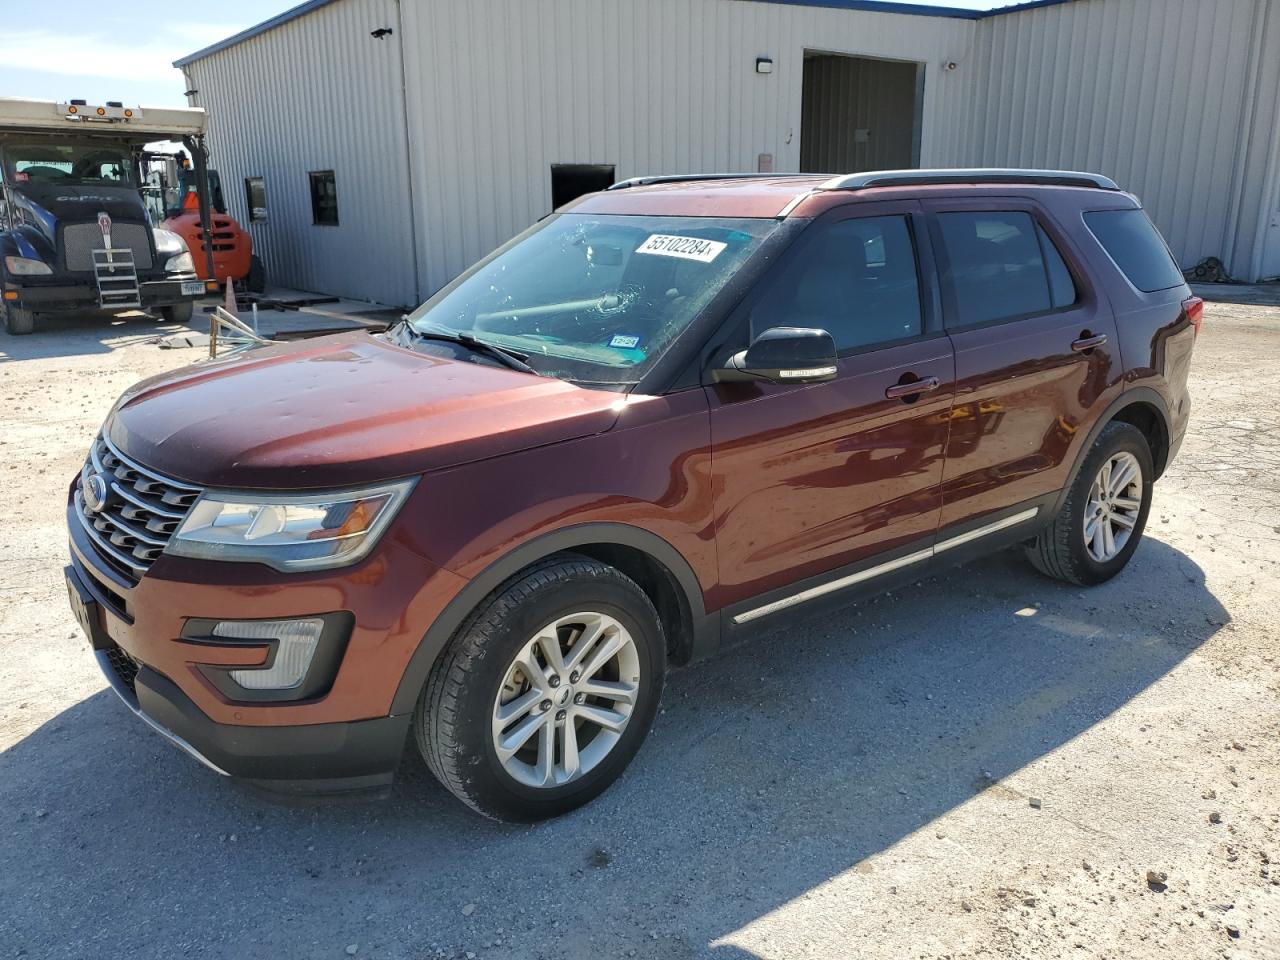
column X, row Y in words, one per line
column 454, row 715
column 178, row 312
column 17, row 321
column 256, row 282
column 1060, row 550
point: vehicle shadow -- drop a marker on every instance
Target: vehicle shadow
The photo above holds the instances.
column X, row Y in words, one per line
column 773, row 768
column 64, row 335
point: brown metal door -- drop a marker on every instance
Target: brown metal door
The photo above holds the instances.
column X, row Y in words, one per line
column 809, row 479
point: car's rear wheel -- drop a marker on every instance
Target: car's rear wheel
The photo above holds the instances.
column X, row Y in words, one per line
column 1101, row 522
column 543, row 697
column 18, row 321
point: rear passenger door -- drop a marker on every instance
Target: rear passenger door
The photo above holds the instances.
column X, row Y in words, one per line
column 1035, row 350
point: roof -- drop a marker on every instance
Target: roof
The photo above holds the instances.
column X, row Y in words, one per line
column 874, row 6
column 151, row 122
column 806, row 195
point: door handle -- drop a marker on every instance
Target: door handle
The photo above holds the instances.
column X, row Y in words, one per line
column 1087, row 343
column 901, row 390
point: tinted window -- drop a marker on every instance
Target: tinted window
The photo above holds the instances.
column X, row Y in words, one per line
column 1136, row 248
column 998, row 267
column 856, row 279
column 255, row 190
column 324, row 198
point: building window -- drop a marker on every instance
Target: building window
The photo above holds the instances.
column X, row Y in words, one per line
column 569, row 181
column 255, row 192
column 324, row 198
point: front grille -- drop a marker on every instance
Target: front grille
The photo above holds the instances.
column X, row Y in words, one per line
column 124, row 666
column 139, row 514
column 79, row 240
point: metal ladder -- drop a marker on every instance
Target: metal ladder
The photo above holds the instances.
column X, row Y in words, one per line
column 117, row 279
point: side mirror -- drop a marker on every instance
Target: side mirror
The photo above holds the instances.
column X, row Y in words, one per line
column 784, row 355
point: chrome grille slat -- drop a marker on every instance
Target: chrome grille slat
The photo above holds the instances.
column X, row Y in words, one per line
column 142, row 509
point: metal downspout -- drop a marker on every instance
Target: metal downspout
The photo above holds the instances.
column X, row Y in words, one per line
column 408, row 160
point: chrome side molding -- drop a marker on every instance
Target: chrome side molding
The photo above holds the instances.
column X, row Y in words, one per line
column 887, row 567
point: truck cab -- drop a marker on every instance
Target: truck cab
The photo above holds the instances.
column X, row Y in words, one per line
column 75, row 233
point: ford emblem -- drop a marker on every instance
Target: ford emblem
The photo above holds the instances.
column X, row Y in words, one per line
column 94, row 491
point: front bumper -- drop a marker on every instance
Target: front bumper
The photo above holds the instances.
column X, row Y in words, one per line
column 344, row 739
column 82, row 297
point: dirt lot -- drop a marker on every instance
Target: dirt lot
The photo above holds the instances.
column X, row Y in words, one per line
column 986, row 764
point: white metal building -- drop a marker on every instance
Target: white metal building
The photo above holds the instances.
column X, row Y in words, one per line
column 387, row 144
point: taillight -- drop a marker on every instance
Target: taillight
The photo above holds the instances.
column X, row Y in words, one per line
column 1194, row 308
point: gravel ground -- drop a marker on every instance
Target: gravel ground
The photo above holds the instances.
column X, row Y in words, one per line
column 985, row 764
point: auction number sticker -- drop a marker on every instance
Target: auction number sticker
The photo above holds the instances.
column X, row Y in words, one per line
column 686, row 248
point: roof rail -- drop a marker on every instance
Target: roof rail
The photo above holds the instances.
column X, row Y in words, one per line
column 691, row 177
column 895, row 178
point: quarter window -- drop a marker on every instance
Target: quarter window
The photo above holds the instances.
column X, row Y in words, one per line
column 856, row 279
column 255, row 191
column 1002, row 265
column 1131, row 240
column 324, row 198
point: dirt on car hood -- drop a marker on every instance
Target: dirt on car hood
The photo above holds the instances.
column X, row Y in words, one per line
column 342, row 410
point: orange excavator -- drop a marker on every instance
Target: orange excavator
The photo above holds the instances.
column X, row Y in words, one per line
column 233, row 256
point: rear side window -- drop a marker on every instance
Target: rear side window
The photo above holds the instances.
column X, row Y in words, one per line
column 1002, row 265
column 856, row 279
column 1133, row 243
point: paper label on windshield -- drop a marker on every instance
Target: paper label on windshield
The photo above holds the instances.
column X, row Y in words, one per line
column 686, row 248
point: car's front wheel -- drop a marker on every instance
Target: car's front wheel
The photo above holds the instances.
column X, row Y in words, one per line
column 543, row 697
column 1101, row 522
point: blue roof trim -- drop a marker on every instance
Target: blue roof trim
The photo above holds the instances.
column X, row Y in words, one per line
column 874, row 6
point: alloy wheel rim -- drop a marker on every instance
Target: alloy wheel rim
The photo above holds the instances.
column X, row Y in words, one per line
column 566, row 699
column 1111, row 514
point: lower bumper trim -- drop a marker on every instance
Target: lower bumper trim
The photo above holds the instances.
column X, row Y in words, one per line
column 128, row 698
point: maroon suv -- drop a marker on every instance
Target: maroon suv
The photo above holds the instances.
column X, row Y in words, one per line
column 677, row 410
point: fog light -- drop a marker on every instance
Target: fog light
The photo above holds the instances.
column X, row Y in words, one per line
column 295, row 647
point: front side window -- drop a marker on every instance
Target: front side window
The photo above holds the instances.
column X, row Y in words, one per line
column 1002, row 265
column 324, row 198
column 856, row 279
column 1133, row 243
column 68, row 164
column 595, row 298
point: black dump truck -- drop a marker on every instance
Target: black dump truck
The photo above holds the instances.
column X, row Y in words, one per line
column 75, row 232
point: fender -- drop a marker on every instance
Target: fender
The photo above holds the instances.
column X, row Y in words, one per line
column 706, row 628
column 1128, row 398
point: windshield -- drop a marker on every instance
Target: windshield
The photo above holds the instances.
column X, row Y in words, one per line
column 68, row 163
column 595, row 299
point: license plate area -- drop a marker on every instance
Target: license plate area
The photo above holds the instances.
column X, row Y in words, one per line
column 192, row 288
column 87, row 611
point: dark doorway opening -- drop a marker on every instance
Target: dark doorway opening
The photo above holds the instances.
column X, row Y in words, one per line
column 859, row 113
column 571, row 180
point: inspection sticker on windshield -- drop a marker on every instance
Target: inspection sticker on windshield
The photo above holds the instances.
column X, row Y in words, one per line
column 625, row 342
column 686, row 248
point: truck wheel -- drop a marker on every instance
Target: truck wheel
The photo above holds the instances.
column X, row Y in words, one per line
column 178, row 312
column 257, row 279
column 1099, row 526
column 544, row 695
column 18, row 321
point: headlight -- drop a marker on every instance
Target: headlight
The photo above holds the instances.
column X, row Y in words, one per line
column 289, row 531
column 24, row 267
column 182, row 263
column 168, row 243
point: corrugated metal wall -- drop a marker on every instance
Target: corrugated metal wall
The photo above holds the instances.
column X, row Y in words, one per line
column 1153, row 93
column 845, row 95
column 504, row 89
column 318, row 93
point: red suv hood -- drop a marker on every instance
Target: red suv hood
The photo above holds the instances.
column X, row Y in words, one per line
column 341, row 410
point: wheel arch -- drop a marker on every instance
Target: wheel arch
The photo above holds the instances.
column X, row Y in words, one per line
column 659, row 569
column 1141, row 407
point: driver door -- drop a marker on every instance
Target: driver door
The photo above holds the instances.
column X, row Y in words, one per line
column 818, row 481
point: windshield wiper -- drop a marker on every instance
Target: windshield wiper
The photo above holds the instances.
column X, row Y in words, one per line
column 508, row 358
